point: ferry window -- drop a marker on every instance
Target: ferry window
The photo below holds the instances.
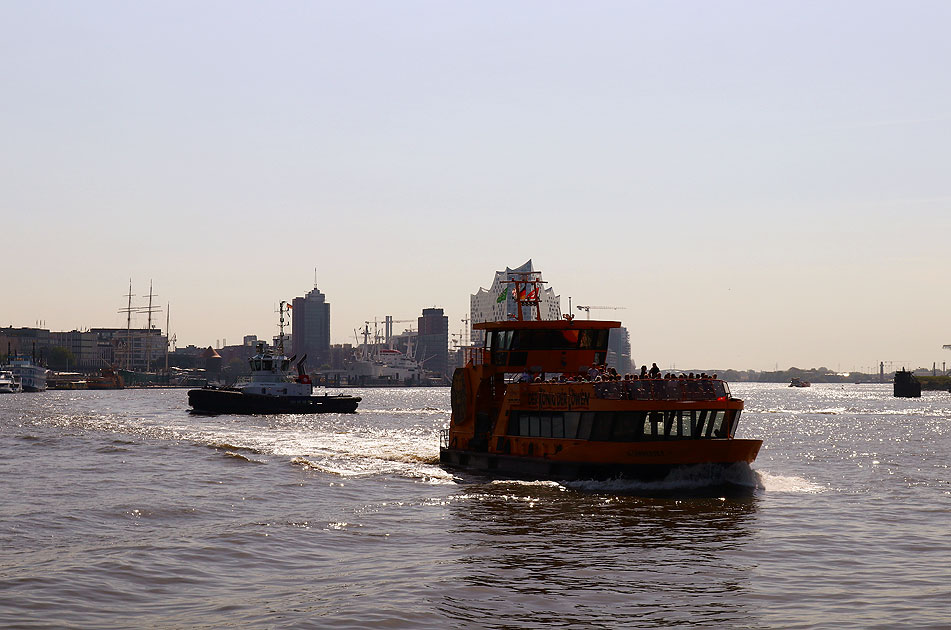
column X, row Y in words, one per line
column 523, row 425
column 584, row 426
column 545, row 425
column 285, row 364
column 571, row 423
column 687, row 423
column 533, row 426
column 729, row 423
column 601, row 429
column 627, row 426
column 517, row 358
column 699, row 422
column 588, row 339
column 571, row 338
column 670, row 423
column 257, row 364
column 557, row 425
column 720, row 389
column 715, row 424
column 500, row 339
column 653, row 425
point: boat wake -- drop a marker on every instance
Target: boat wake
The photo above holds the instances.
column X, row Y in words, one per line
column 699, row 480
column 788, row 484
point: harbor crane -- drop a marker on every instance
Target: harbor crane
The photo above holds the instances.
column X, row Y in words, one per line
column 587, row 309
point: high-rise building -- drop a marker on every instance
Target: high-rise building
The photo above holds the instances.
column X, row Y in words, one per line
column 310, row 328
column 619, row 350
column 433, row 341
column 497, row 303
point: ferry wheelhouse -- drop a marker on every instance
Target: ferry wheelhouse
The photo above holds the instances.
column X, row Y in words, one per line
column 513, row 414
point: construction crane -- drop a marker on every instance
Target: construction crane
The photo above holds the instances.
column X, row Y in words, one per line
column 587, row 309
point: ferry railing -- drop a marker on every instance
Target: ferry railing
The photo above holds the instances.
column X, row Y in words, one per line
column 662, row 389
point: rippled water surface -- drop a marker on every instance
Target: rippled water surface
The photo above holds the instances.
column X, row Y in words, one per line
column 119, row 509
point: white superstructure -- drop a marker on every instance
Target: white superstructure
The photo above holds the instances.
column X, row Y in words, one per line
column 32, row 377
column 497, row 303
column 376, row 362
column 269, row 371
column 9, row 383
column 269, row 376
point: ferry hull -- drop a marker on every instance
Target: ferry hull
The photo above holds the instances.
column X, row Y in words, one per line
column 236, row 402
column 645, row 462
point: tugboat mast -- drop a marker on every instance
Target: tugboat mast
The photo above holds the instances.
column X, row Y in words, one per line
column 280, row 339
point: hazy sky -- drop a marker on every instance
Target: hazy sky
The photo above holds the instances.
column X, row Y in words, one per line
column 759, row 184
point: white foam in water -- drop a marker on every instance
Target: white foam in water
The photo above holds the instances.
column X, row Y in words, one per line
column 688, row 478
column 788, row 484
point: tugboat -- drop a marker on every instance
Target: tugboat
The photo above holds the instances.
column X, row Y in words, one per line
column 525, row 406
column 906, row 385
column 798, row 382
column 271, row 389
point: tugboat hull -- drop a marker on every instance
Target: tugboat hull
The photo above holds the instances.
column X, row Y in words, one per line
column 237, row 402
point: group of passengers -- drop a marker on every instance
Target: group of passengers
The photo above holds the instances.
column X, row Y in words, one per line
column 602, row 373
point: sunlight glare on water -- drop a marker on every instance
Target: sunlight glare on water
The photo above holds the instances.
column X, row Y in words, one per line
column 123, row 501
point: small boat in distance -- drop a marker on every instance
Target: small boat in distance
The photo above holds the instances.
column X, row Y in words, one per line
column 798, row 382
column 529, row 404
column 271, row 389
column 906, row 385
column 108, row 378
column 9, row 382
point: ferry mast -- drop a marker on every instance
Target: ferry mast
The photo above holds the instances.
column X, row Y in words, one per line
column 523, row 296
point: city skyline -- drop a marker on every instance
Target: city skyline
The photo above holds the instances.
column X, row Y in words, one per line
column 755, row 185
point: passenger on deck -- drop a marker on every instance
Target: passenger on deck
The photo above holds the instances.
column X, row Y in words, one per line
column 654, row 371
column 526, row 377
column 643, row 371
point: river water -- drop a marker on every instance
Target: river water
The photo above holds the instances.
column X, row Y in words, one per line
column 119, row 509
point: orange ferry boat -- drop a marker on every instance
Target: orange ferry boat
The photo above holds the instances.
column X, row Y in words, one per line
column 562, row 430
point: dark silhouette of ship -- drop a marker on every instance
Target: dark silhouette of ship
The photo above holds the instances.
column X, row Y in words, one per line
column 906, row 385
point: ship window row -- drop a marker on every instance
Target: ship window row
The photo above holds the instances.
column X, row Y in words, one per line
column 267, row 364
column 619, row 426
column 520, row 358
column 573, row 339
